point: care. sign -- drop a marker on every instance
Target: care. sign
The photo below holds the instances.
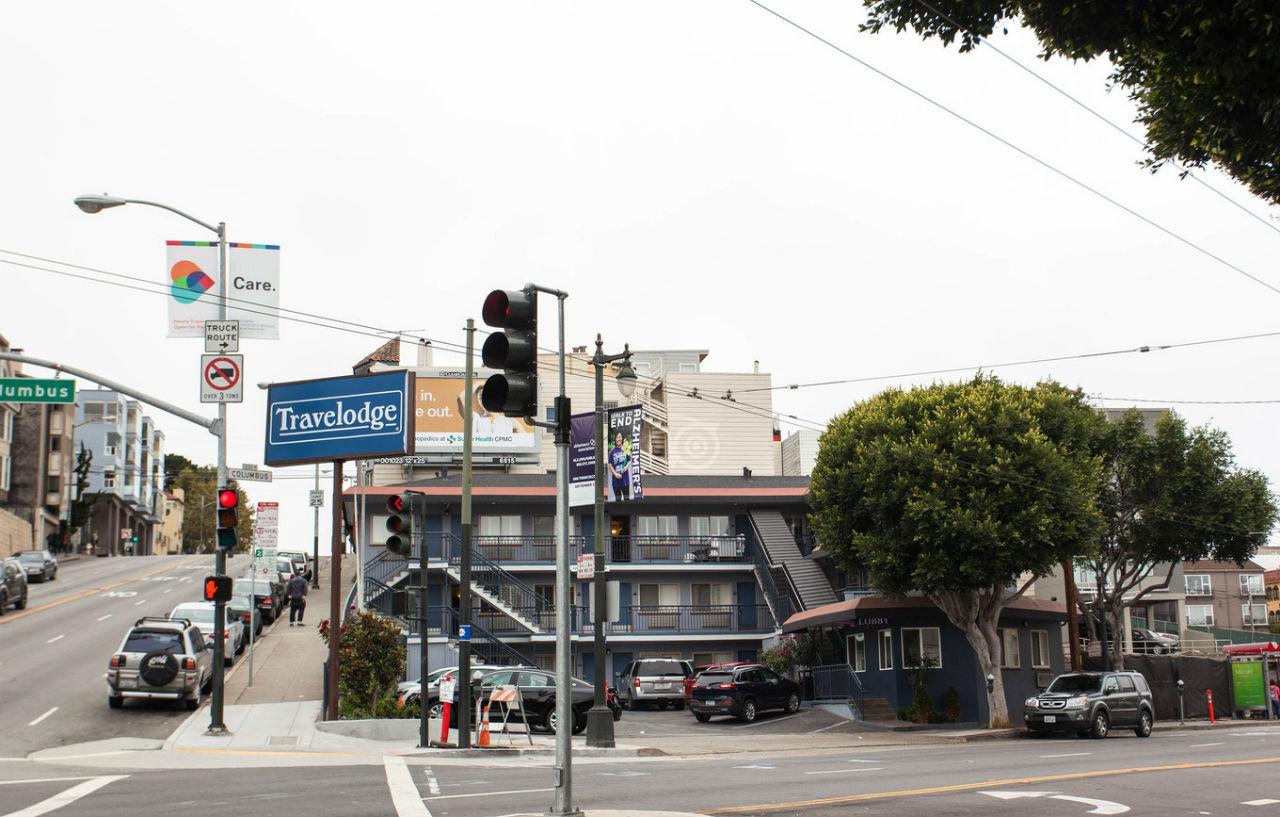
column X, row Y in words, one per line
column 340, row 418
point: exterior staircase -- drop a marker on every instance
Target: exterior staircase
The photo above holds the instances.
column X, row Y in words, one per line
column 807, row 583
column 506, row 593
column 878, row 709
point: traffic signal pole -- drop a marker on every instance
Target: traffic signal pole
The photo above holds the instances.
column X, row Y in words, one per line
column 216, row 724
column 335, row 591
column 462, row 689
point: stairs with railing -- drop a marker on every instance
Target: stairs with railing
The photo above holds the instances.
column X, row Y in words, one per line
column 505, row 592
column 806, row 582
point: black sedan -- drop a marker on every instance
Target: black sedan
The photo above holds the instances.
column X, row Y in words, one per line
column 538, row 696
column 743, row 692
column 39, row 565
column 263, row 593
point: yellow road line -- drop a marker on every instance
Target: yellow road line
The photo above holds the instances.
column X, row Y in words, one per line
column 265, row 752
column 87, row 593
column 985, row 784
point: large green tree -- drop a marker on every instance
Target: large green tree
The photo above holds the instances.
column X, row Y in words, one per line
column 964, row 492
column 1204, row 74
column 199, row 483
column 1169, row 494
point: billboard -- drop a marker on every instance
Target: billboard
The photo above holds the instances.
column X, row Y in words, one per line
column 253, row 288
column 339, row 418
column 438, row 415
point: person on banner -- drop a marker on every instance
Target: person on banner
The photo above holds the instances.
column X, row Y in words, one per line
column 485, row 425
column 620, row 467
column 297, row 592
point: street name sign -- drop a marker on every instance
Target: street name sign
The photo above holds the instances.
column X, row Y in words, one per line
column 222, row 378
column 249, row 475
column 33, row 390
column 222, row 337
column 340, row 418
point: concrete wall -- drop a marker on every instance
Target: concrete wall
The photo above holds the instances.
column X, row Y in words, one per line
column 15, row 534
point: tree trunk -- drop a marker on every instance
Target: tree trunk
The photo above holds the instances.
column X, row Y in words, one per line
column 1114, row 617
column 979, row 628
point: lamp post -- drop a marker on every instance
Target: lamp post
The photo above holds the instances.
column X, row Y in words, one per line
column 96, row 204
column 599, row 718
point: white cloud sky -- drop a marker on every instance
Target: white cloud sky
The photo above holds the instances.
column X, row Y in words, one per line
column 695, row 174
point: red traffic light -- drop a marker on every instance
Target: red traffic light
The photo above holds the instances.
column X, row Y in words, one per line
column 396, row 504
column 228, row 497
column 510, row 309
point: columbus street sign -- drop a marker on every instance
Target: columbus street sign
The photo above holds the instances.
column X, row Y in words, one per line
column 32, row 390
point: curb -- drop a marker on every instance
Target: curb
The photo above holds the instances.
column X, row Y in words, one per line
column 537, row 751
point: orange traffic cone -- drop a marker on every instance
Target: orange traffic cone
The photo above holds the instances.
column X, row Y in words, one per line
column 484, row 728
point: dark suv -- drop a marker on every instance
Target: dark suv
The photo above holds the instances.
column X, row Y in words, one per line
column 1091, row 704
column 13, row 585
column 743, row 692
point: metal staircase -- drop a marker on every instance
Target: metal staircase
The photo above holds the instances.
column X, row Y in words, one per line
column 504, row 592
column 805, row 581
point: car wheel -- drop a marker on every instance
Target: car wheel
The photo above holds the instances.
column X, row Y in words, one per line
column 579, row 723
column 207, row 686
column 1101, row 725
column 551, row 721
column 662, row 706
column 192, row 704
column 21, row 604
column 678, row 705
column 4, row 601
column 437, row 710
column 748, row 711
column 1144, row 725
column 702, row 718
column 1034, row 733
column 793, row 703
column 115, row 701
column 54, row 576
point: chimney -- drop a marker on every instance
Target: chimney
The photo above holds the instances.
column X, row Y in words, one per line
column 424, row 353
column 755, row 367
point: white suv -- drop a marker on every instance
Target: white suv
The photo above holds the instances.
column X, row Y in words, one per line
column 163, row 659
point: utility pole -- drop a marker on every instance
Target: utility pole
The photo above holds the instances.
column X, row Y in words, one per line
column 463, row 686
column 315, row 537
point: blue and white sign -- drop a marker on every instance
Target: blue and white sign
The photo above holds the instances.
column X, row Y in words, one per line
column 340, row 418
column 464, row 632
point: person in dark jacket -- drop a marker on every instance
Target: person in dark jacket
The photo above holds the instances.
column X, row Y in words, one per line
column 297, row 591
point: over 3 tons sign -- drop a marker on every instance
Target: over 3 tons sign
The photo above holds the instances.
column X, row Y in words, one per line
column 340, row 418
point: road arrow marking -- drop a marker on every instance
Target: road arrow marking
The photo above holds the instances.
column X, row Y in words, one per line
column 1100, row 806
column 1263, row 802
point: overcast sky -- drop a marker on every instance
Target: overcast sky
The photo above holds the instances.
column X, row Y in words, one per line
column 695, row 173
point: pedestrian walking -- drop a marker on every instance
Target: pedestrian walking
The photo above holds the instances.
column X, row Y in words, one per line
column 1275, row 697
column 297, row 591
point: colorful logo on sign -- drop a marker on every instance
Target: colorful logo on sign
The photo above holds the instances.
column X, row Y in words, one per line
column 189, row 282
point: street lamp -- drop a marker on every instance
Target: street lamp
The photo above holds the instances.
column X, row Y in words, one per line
column 96, row 204
column 599, row 718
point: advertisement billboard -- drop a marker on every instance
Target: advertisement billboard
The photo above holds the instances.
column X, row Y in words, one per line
column 253, row 287
column 340, row 418
column 438, row 415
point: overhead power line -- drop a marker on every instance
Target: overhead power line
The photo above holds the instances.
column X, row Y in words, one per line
column 1020, row 150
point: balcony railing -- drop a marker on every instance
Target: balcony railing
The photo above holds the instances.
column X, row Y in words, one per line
column 665, row 619
column 618, row 549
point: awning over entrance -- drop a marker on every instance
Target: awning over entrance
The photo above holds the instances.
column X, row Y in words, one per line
column 852, row 609
column 1260, row 648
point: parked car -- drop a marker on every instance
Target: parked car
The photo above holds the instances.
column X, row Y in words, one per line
column 1155, row 643
column 201, row 614
column 538, row 694
column 40, row 565
column 657, row 681
column 1091, row 704
column 698, row 670
column 743, row 692
column 245, row 608
column 161, row 658
column 265, row 591
column 410, row 691
column 297, row 561
column 13, row 585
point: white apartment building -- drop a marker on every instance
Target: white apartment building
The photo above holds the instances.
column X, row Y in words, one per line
column 799, row 453
column 127, row 471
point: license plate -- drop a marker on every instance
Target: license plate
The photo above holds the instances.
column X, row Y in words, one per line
column 662, row 686
column 1050, row 718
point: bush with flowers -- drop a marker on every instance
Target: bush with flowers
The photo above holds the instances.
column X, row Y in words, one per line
column 792, row 651
column 370, row 657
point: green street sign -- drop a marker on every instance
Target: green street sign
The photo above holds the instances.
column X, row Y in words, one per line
column 33, row 390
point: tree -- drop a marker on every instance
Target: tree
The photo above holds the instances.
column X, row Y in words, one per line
column 175, row 464
column 1169, row 494
column 1202, row 74
column 199, row 483
column 963, row 492
column 81, row 509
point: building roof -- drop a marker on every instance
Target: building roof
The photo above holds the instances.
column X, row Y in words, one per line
column 1209, row 565
column 851, row 609
column 655, row 486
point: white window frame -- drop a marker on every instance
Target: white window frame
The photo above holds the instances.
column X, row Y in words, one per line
column 918, row 633
column 4, row 472
column 884, row 658
column 1008, row 637
column 665, row 590
column 1207, row 584
column 856, row 645
column 709, row 525
column 1251, row 619
column 666, row 525
column 1208, row 620
column 6, row 427
column 1246, row 579
column 1040, row 649
column 719, row 594
column 507, row 524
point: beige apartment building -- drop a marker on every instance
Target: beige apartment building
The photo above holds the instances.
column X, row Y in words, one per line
column 1225, row 595
column 170, row 539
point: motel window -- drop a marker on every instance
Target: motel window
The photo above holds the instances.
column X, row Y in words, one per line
column 919, row 644
column 656, row 526
column 659, row 595
column 1199, row 615
column 708, row 526
column 858, row 651
column 1040, row 649
column 1010, row 657
column 702, row 659
column 506, row 525
column 712, row 595
column 884, row 644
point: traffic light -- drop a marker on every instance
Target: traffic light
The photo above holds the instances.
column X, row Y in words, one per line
column 514, row 350
column 399, row 522
column 228, row 506
column 217, row 588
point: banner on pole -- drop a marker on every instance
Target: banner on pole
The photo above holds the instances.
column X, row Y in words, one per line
column 253, row 288
column 622, row 460
column 582, row 459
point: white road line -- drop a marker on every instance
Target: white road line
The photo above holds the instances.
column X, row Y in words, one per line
column 404, row 792
column 56, row 638
column 104, row 618
column 68, row 779
column 832, row 726
column 1263, row 802
column 849, row 771
column 771, row 720
column 474, row 794
column 1202, row 745
column 432, row 784
column 855, row 760
column 67, row 797
column 42, row 717
column 1069, row 754
column 140, row 603
column 170, row 590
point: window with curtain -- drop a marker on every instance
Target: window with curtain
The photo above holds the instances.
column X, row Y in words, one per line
column 659, row 606
column 884, row 646
column 857, row 645
column 919, row 643
column 1009, row 651
column 1040, row 649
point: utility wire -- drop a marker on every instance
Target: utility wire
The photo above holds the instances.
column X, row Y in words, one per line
column 1190, row 402
column 1020, row 150
column 977, row 38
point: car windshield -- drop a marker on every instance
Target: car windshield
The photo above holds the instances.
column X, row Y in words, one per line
column 31, row 557
column 662, row 669
column 145, row 641
column 708, row 679
column 240, row 601
column 196, row 615
column 244, row 587
column 1076, row 683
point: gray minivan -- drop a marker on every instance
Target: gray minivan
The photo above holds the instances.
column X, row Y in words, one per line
column 658, row 681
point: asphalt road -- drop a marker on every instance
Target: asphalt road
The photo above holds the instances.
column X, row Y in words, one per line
column 1223, row 772
column 54, row 654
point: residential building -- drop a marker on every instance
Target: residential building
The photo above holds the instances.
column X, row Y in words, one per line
column 1226, row 596
column 8, row 416
column 42, row 478
column 799, row 453
column 1160, row 609
column 170, row 540
column 126, row 473
column 1271, row 581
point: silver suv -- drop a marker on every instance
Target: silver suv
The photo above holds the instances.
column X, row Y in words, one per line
column 654, row 681
column 161, row 658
